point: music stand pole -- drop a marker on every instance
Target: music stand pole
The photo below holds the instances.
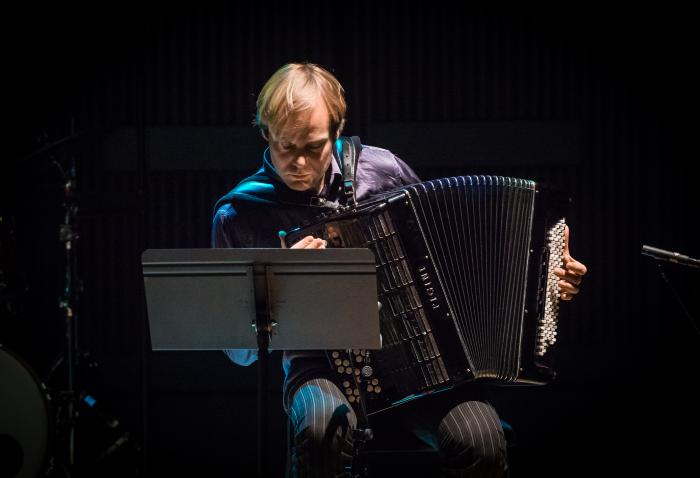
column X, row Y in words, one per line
column 263, row 360
column 263, row 329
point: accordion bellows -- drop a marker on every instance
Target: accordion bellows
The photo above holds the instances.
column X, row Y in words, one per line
column 465, row 275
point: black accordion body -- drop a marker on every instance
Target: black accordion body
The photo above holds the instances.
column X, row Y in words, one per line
column 466, row 284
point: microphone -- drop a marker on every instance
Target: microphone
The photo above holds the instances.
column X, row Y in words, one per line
column 668, row 256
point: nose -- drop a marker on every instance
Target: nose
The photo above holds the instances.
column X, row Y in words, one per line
column 300, row 161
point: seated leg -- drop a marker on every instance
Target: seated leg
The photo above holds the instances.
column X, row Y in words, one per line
column 322, row 423
column 471, row 442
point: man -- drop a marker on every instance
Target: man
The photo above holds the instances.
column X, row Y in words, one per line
column 300, row 112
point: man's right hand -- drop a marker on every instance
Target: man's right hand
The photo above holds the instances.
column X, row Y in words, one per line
column 310, row 242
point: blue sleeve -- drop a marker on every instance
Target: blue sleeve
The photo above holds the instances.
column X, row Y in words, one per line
column 223, row 235
column 241, row 356
column 222, row 228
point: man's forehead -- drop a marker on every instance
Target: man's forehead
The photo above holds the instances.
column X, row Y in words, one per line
column 307, row 125
column 301, row 132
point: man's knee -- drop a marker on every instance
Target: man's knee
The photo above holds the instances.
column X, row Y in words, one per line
column 324, row 448
column 471, row 440
column 322, row 422
column 319, row 432
column 318, row 403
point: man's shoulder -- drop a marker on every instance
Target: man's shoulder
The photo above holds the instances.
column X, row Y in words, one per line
column 236, row 211
column 379, row 169
column 374, row 160
column 237, row 214
column 226, row 213
column 235, row 225
column 376, row 153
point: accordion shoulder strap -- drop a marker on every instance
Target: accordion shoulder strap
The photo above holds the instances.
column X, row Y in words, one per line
column 346, row 152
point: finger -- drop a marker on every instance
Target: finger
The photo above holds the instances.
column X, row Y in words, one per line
column 303, row 243
column 568, row 287
column 573, row 279
column 566, row 257
column 568, row 276
column 575, row 267
column 565, row 296
column 317, row 244
column 572, row 265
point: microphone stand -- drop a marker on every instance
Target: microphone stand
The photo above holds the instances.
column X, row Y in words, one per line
column 70, row 400
column 678, row 298
column 661, row 255
column 73, row 397
column 68, row 235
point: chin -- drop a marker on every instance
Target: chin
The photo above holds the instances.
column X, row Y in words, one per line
column 297, row 185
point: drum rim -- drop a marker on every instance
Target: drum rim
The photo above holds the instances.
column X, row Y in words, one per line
column 48, row 408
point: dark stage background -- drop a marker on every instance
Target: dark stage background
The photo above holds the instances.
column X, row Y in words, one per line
column 600, row 101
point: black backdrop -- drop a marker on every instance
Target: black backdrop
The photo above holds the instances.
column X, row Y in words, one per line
column 597, row 100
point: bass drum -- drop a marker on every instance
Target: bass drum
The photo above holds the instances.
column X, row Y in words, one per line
column 25, row 426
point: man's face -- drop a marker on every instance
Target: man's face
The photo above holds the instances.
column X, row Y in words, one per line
column 300, row 149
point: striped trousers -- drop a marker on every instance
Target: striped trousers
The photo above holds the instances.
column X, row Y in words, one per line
column 468, row 435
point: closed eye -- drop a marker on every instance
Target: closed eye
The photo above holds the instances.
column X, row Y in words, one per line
column 313, row 147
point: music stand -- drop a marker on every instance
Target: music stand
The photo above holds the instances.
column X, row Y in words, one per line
column 264, row 299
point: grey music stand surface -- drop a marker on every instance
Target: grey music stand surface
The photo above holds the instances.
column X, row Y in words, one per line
column 205, row 299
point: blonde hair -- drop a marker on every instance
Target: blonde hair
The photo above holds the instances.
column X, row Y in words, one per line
column 295, row 88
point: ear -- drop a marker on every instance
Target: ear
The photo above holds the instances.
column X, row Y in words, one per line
column 339, row 130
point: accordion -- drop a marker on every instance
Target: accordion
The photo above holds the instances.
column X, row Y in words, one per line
column 466, row 285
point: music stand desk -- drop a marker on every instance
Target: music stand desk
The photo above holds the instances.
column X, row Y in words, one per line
column 264, row 299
